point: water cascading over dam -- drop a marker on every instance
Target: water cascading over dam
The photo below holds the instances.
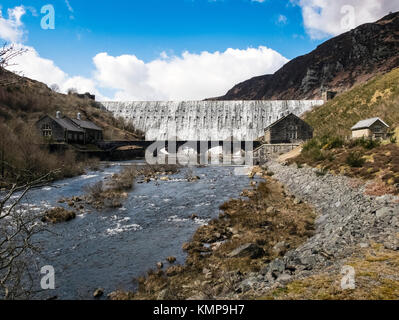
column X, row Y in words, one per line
column 206, row 120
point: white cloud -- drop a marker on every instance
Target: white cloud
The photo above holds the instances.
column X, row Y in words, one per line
column 186, row 77
column 189, row 76
column 324, row 18
column 32, row 65
column 11, row 29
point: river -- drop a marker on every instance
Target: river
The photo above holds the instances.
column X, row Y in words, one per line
column 108, row 249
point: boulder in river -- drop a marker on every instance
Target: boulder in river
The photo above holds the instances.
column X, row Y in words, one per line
column 98, row 293
column 171, row 259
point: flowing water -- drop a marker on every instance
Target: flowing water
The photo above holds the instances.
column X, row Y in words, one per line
column 108, row 249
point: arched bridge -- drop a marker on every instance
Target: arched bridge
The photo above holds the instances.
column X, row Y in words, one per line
column 170, row 146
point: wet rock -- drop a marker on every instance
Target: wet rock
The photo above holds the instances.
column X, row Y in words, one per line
column 171, row 259
column 159, row 265
column 247, row 250
column 98, row 293
column 194, row 216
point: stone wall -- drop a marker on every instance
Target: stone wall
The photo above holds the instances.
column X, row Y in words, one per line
column 271, row 151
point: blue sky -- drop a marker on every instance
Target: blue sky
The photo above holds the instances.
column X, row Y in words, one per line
column 147, row 29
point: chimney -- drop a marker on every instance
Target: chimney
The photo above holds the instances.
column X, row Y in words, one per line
column 78, row 116
column 58, row 114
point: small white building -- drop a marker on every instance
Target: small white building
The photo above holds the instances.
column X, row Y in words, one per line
column 373, row 128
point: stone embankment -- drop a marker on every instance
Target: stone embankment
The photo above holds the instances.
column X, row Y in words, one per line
column 347, row 221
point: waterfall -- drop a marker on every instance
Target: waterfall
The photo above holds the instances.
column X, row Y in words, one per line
column 206, row 120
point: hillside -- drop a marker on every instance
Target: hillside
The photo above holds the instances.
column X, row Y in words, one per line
column 28, row 100
column 377, row 98
column 337, row 65
column 24, row 156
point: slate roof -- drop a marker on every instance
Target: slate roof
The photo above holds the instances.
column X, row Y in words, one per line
column 364, row 124
column 64, row 123
column 86, row 124
column 281, row 119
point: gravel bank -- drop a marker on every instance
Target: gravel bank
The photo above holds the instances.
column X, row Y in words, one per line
column 347, row 220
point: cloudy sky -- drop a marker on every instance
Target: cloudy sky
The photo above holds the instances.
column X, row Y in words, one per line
column 171, row 49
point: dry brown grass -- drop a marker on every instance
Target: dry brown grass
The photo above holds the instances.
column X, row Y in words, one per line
column 380, row 164
column 58, row 215
column 265, row 219
column 378, row 97
column 376, row 279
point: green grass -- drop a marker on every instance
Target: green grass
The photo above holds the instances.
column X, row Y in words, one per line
column 377, row 98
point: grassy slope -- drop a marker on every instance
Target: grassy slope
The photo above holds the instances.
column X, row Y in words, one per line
column 28, row 100
column 377, row 98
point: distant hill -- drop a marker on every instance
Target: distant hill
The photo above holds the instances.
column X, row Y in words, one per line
column 27, row 99
column 337, row 65
column 378, row 97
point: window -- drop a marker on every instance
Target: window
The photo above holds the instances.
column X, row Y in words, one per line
column 47, row 131
column 292, row 133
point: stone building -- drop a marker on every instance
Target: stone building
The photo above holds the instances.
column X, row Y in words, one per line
column 373, row 128
column 289, row 129
column 64, row 129
column 93, row 132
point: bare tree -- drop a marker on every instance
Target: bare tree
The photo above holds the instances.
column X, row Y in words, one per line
column 18, row 225
column 8, row 53
column 55, row 87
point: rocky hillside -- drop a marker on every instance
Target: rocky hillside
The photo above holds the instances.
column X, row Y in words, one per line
column 337, row 65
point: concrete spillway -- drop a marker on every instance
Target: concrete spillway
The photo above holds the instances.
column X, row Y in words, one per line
column 206, row 120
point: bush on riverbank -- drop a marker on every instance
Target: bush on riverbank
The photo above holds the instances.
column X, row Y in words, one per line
column 360, row 158
column 24, row 158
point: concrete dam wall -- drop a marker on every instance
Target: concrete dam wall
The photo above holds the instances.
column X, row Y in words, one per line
column 206, row 120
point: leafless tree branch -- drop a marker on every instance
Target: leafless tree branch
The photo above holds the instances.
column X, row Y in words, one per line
column 18, row 225
column 8, row 52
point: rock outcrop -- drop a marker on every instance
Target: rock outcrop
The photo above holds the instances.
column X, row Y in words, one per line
column 336, row 65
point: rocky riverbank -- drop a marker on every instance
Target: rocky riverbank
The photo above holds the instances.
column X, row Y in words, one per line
column 350, row 227
column 268, row 247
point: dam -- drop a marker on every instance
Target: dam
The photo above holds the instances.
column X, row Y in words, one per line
column 206, row 120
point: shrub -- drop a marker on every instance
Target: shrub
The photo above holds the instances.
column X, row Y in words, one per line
column 95, row 190
column 355, row 160
column 365, row 143
column 333, row 143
